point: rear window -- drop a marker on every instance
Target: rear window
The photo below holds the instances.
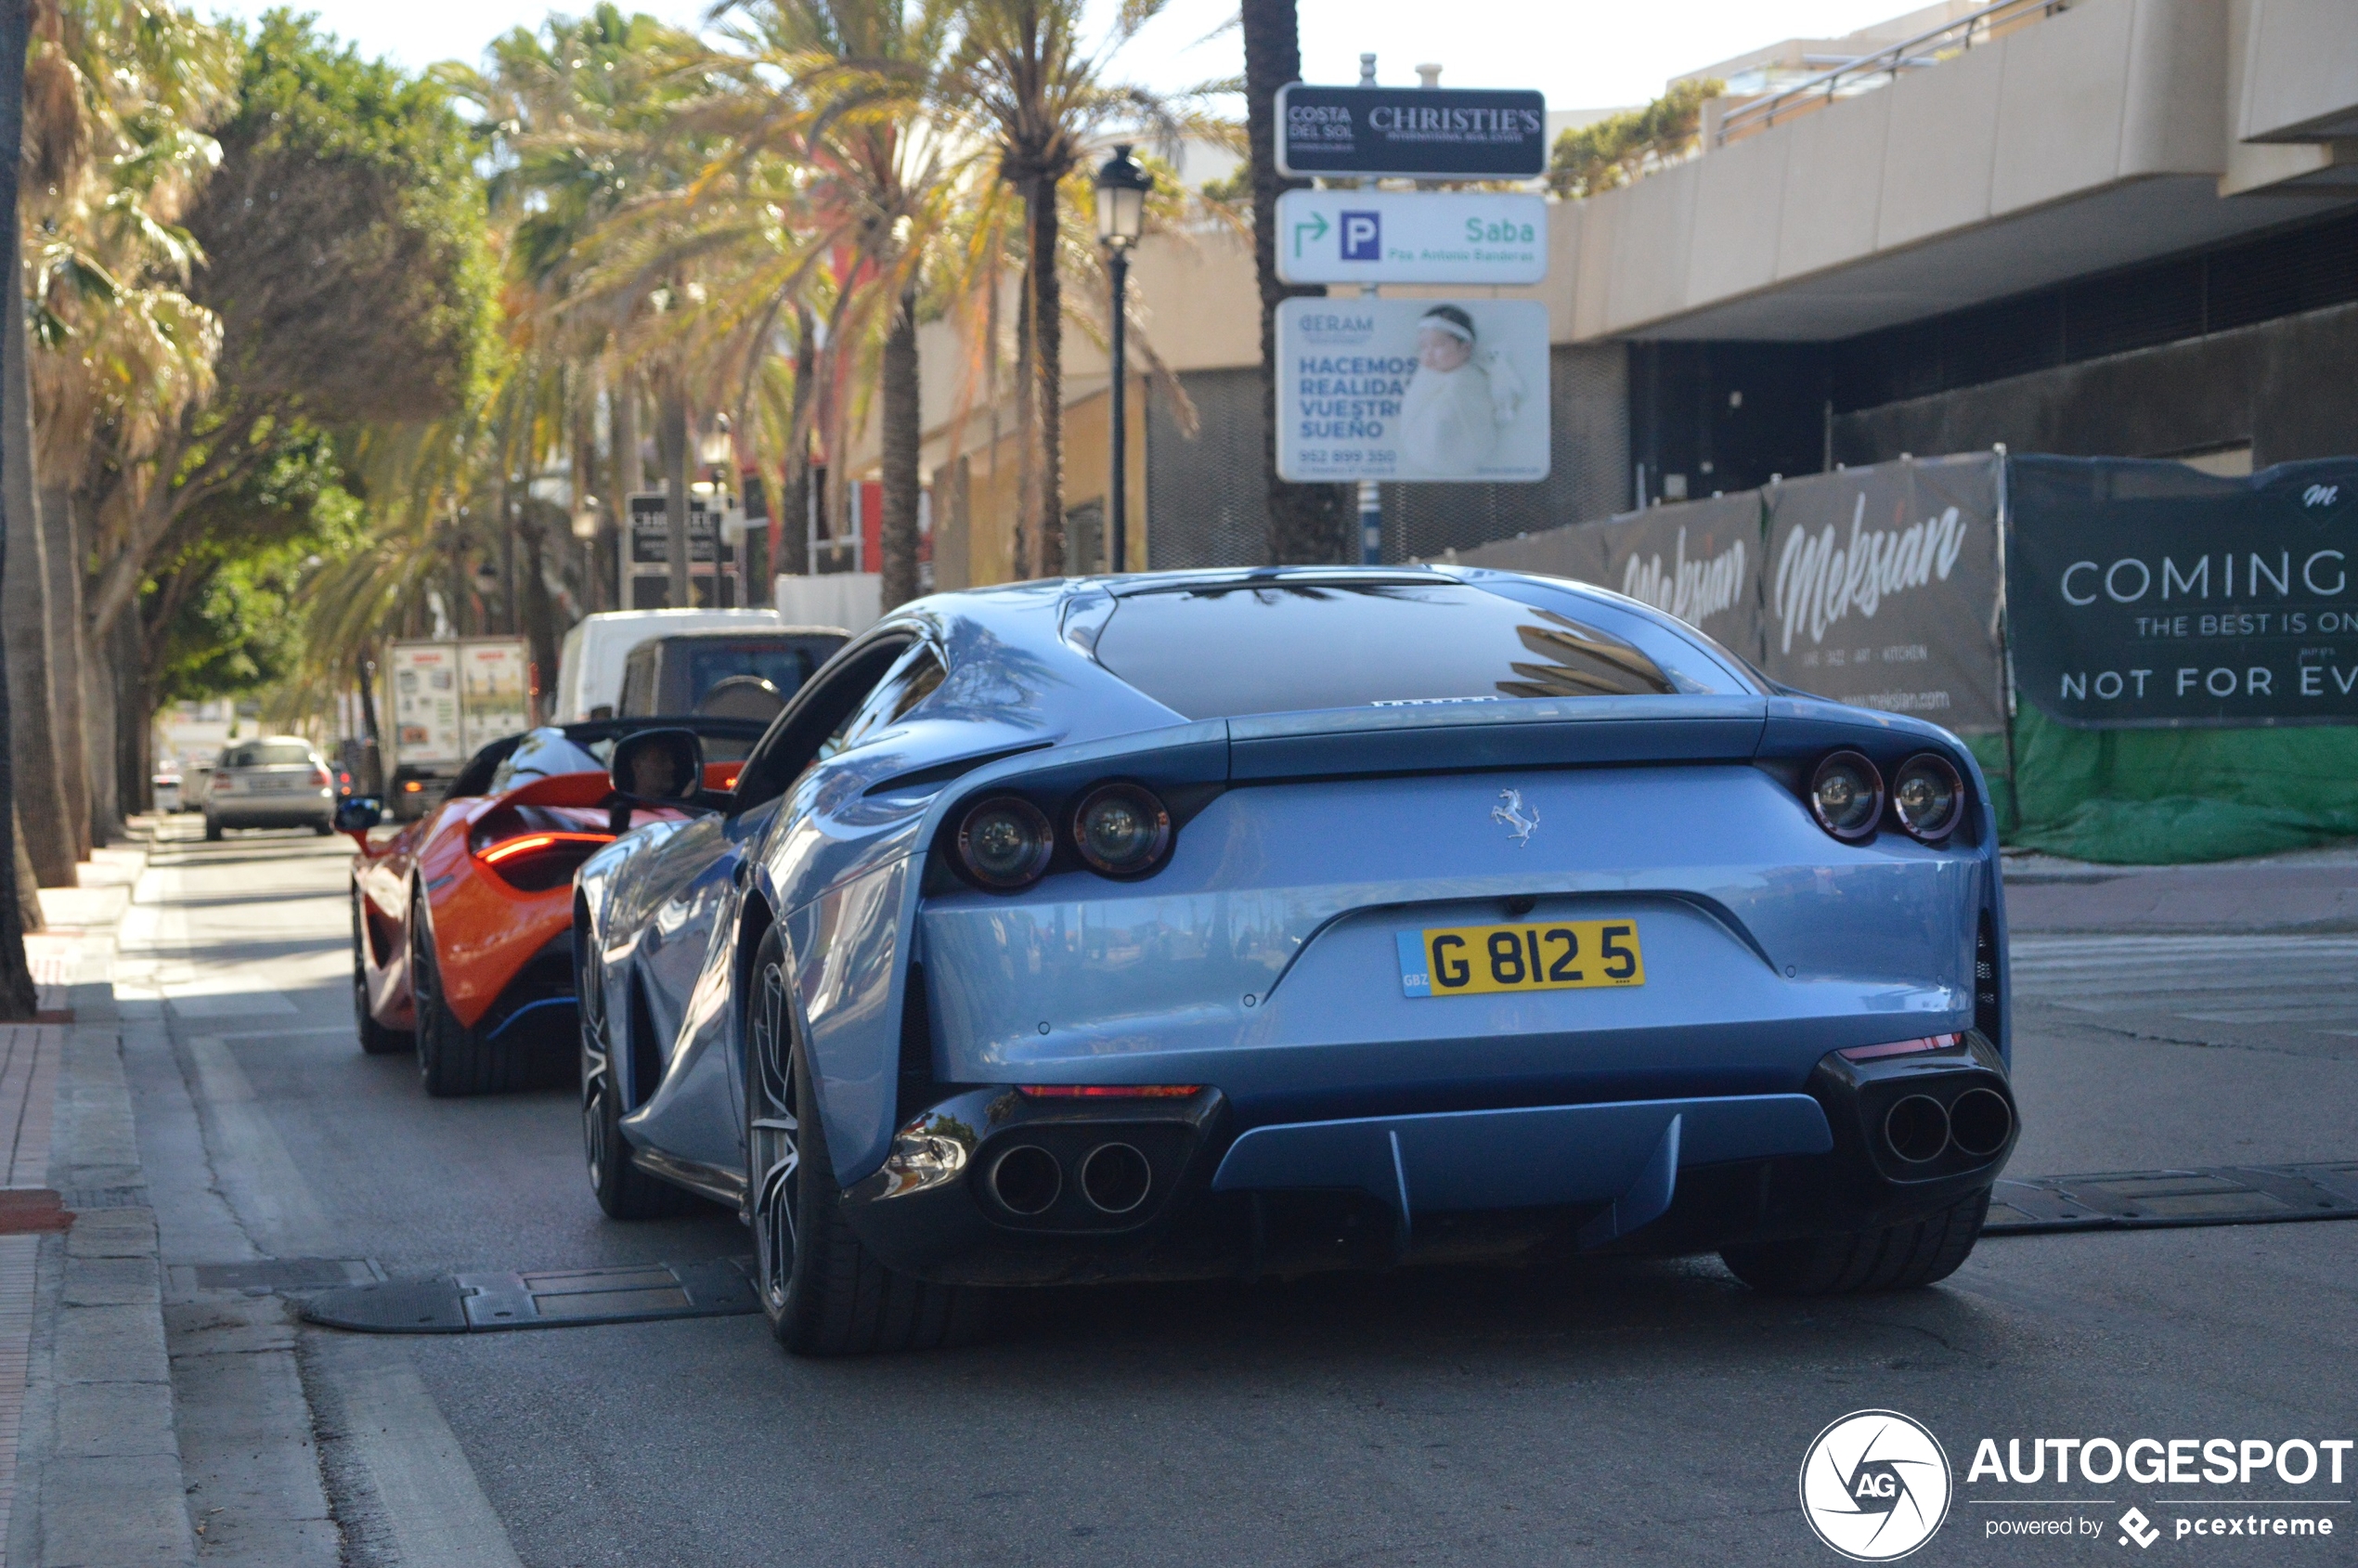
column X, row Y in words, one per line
column 269, row 754
column 1219, row 653
column 711, row 663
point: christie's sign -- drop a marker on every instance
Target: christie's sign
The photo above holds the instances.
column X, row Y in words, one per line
column 2148, row 595
column 1411, row 133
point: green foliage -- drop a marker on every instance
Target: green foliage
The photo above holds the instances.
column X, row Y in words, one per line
column 1625, row 147
column 232, row 604
column 350, row 257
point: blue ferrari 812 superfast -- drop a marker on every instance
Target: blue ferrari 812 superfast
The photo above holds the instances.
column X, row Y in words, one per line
column 1251, row 923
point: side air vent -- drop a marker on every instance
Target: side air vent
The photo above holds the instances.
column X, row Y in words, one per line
column 1985, row 1011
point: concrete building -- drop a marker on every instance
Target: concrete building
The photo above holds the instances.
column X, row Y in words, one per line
column 2111, row 227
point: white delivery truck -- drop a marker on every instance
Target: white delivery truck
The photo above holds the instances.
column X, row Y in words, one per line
column 450, row 699
column 589, row 667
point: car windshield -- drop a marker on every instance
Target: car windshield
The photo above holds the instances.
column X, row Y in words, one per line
column 269, row 754
column 1223, row 650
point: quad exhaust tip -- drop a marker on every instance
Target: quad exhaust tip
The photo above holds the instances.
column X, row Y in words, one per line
column 1027, row 1180
column 1916, row 1128
column 1115, row 1178
column 1980, row 1121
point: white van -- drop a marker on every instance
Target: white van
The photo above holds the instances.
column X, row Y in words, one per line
column 589, row 667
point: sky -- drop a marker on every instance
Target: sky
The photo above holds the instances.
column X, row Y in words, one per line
column 1582, row 54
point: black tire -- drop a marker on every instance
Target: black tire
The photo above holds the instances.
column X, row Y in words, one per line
column 452, row 1058
column 376, row 1039
column 1903, row 1257
column 624, row 1191
column 822, row 1291
column 323, row 829
column 211, row 831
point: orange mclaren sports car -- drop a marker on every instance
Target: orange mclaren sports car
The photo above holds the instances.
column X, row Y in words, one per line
column 462, row 922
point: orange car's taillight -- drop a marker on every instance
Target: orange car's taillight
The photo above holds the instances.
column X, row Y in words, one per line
column 535, row 862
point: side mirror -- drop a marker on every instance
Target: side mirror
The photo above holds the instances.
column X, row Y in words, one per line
column 659, row 768
column 356, row 814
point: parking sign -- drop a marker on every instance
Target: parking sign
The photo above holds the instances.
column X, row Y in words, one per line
column 1411, row 236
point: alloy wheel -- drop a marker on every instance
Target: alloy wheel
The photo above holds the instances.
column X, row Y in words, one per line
column 597, row 1079
column 425, row 989
column 773, row 1136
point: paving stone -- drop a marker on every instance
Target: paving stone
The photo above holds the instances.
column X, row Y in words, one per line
column 110, row 1344
column 116, row 1420
column 112, row 1282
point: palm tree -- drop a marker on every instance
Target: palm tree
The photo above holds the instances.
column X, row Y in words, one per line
column 119, row 98
column 1306, row 520
column 1024, row 80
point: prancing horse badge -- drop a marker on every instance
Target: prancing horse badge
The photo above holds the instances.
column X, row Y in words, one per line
column 1510, row 812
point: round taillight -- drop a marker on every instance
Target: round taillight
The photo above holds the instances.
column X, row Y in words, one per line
column 1120, row 830
column 1927, row 796
column 1846, row 795
column 1006, row 843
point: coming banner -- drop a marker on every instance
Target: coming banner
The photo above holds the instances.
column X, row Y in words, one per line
column 2147, row 594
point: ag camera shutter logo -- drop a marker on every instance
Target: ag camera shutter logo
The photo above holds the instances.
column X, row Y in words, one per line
column 1875, row 1486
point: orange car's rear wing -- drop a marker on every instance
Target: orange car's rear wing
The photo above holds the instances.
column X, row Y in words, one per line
column 592, row 790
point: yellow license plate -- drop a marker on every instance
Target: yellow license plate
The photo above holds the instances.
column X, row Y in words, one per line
column 1550, row 955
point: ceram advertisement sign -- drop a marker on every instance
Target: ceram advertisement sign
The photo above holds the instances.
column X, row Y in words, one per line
column 1412, row 390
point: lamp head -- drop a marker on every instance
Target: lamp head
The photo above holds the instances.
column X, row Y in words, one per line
column 1121, row 199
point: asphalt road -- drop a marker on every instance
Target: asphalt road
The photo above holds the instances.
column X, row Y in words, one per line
column 1633, row 1412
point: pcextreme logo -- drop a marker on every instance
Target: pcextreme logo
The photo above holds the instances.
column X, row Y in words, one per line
column 1875, row 1486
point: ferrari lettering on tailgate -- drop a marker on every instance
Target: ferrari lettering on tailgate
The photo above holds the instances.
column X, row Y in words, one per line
column 1551, row 955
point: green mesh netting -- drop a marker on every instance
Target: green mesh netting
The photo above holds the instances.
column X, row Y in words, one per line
column 2169, row 797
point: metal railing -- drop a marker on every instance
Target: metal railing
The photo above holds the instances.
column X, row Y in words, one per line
column 1853, row 76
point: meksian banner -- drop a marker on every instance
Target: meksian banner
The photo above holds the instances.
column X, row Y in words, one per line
column 2145, row 593
column 1699, row 561
column 1880, row 587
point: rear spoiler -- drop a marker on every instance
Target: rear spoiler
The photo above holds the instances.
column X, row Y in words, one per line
column 590, row 791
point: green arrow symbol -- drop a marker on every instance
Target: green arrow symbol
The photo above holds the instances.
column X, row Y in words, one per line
column 1317, row 232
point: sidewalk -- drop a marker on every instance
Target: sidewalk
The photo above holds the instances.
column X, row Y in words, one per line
column 2300, row 892
column 89, row 1464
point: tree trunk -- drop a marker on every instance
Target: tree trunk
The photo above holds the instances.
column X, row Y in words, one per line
column 62, row 535
column 98, row 704
column 28, row 886
column 1307, row 523
column 373, row 779
column 584, row 445
column 1047, row 364
column 135, row 718
column 24, row 609
column 532, row 590
column 671, row 447
column 19, row 1002
column 901, row 434
column 630, row 475
column 794, row 499
column 1020, row 560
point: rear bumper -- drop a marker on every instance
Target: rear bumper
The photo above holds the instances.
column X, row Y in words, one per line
column 295, row 809
column 1647, row 1176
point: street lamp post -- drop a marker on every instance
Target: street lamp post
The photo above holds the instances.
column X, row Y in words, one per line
column 1121, row 217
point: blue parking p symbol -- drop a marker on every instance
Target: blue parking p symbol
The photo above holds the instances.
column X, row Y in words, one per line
column 1362, row 237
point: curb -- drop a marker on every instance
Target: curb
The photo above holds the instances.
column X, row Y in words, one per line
column 99, row 1471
